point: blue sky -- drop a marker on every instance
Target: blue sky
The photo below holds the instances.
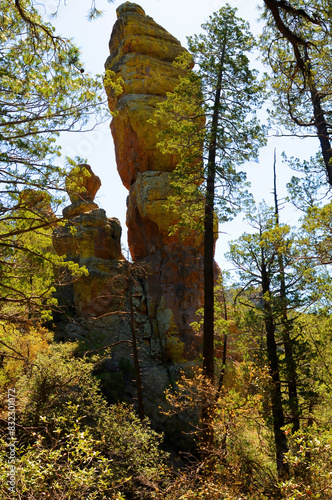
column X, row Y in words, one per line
column 181, row 18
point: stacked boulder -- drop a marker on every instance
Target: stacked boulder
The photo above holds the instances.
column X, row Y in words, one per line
column 92, row 240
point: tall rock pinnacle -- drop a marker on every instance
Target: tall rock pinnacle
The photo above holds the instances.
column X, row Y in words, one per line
column 142, row 53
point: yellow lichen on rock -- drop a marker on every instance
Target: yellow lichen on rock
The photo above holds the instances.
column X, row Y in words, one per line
column 90, row 234
column 136, row 139
column 152, row 191
column 87, row 232
column 129, row 7
column 147, row 44
column 175, row 350
column 144, row 74
column 103, row 290
column 82, row 184
column 142, row 54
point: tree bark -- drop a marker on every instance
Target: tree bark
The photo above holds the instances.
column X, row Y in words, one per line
column 276, row 397
column 322, row 132
column 208, row 328
column 224, row 352
column 286, row 327
column 135, row 350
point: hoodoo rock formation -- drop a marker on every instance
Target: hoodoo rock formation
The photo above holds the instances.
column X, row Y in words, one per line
column 141, row 54
column 92, row 240
column 109, row 305
column 155, row 297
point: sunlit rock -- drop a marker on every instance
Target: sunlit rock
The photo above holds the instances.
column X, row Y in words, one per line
column 142, row 55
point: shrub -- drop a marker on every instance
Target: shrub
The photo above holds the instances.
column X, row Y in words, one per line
column 71, row 444
column 310, row 458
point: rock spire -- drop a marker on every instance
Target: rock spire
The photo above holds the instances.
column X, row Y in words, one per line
column 141, row 54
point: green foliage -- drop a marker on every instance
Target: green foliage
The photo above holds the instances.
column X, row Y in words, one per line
column 266, row 244
column 113, row 84
column 284, row 264
column 71, row 443
column 240, row 460
column 43, row 91
column 298, row 66
column 317, row 235
column 311, row 459
column 30, row 269
column 296, row 44
column 314, row 350
column 310, row 188
column 186, row 118
column 94, row 12
column 19, row 348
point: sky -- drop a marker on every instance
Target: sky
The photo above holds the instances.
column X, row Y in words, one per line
column 181, row 18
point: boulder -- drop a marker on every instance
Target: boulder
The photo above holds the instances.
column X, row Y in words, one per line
column 89, row 234
column 82, row 184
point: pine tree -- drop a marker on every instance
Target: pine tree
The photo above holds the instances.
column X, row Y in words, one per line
column 257, row 258
column 212, row 129
column 43, row 91
column 297, row 47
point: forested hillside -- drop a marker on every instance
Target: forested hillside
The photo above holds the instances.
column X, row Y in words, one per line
column 163, row 376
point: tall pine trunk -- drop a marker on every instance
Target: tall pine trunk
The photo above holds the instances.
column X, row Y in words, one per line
column 286, row 326
column 208, row 328
column 322, row 130
column 135, row 348
column 276, row 396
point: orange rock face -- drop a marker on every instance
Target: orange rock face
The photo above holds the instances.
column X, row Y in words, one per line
column 82, row 184
column 141, row 54
column 92, row 240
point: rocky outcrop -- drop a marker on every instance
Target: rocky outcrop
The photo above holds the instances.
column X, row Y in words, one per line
column 141, row 54
column 91, row 239
column 157, row 295
column 81, row 185
column 106, row 305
